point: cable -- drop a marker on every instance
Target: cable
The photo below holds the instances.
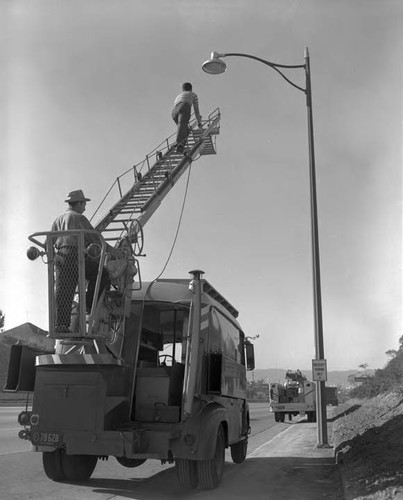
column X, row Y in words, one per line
column 179, row 224
column 178, row 227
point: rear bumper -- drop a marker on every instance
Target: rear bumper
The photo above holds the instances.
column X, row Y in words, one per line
column 158, row 444
column 111, row 443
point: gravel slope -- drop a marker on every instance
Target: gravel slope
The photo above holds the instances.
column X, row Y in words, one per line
column 368, row 440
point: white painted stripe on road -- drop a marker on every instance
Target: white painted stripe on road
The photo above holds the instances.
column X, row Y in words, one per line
column 256, row 451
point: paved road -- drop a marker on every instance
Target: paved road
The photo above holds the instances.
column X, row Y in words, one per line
column 22, row 476
column 9, row 428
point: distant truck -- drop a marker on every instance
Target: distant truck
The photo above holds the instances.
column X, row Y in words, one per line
column 295, row 397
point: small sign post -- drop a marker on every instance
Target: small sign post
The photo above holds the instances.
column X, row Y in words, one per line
column 319, row 370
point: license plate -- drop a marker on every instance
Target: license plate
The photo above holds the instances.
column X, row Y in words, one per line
column 46, row 438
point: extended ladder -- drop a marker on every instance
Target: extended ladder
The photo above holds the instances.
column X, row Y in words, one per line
column 163, row 168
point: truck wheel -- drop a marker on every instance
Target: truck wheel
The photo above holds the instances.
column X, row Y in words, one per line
column 187, row 473
column 282, row 417
column 211, row 471
column 78, row 468
column 277, row 417
column 52, row 464
column 239, row 451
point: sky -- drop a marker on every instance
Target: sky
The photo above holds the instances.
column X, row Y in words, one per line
column 86, row 91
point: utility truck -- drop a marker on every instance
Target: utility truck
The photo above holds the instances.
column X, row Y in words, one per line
column 156, row 370
column 295, row 397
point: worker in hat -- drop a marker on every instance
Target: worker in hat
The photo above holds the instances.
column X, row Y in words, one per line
column 66, row 261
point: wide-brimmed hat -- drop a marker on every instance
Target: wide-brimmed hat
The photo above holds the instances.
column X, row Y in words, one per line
column 75, row 196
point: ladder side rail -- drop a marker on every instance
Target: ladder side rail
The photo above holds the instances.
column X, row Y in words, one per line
column 120, row 187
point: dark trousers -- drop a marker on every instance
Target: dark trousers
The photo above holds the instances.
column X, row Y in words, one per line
column 66, row 267
column 181, row 116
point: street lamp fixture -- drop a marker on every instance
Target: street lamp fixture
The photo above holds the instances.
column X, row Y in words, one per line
column 214, row 66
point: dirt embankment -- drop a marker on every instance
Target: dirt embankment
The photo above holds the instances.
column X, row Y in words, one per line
column 368, row 440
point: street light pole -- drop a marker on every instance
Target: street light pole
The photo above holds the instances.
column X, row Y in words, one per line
column 319, row 345
column 216, row 65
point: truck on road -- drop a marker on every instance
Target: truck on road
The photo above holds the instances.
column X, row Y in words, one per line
column 295, row 397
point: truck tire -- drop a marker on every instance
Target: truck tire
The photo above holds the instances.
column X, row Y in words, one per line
column 239, row 451
column 187, row 473
column 52, row 464
column 78, row 468
column 277, row 417
column 282, row 417
column 211, row 471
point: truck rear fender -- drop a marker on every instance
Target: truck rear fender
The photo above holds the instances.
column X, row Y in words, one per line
column 206, row 425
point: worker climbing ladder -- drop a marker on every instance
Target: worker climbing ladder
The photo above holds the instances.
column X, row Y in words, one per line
column 153, row 178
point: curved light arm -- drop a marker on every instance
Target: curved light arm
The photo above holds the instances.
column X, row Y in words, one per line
column 215, row 59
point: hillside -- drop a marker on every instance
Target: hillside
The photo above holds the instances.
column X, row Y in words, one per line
column 367, row 435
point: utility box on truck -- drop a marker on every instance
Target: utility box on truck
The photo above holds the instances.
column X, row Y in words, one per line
column 295, row 397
